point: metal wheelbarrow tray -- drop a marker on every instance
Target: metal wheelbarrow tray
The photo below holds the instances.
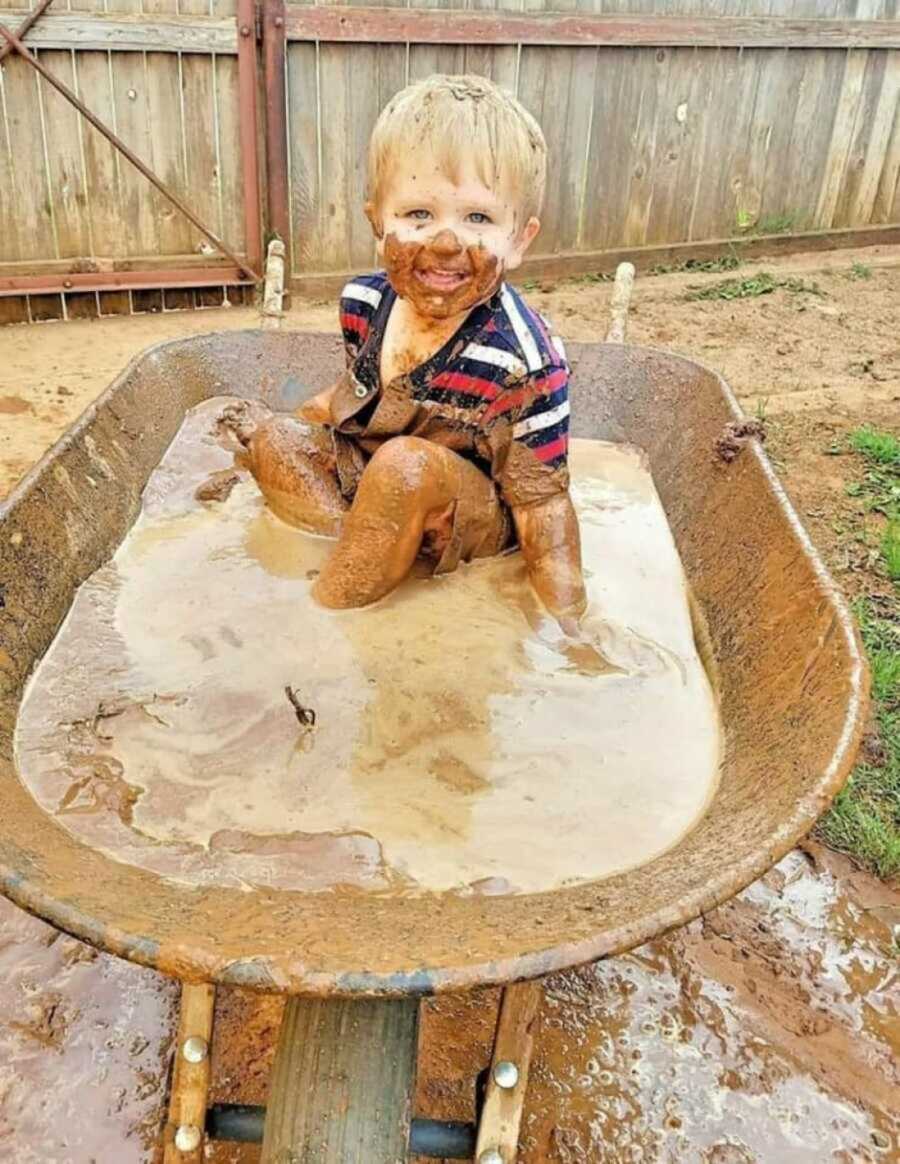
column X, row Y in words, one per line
column 792, row 687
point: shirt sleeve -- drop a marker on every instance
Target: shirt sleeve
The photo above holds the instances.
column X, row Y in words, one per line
column 530, row 442
column 359, row 302
column 354, row 327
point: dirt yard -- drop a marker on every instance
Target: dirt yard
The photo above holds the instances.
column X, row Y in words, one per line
column 766, row 1032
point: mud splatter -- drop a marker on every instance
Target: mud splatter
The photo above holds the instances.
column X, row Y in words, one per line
column 735, row 437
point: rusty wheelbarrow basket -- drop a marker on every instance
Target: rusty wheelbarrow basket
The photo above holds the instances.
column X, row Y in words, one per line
column 792, row 686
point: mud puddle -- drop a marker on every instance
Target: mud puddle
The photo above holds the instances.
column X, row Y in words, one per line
column 84, row 1049
column 449, row 738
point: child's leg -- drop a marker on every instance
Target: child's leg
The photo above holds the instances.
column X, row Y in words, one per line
column 293, row 463
column 409, row 487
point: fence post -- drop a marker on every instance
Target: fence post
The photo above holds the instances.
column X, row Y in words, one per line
column 276, row 122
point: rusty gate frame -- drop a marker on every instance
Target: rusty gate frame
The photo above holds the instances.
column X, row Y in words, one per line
column 241, row 271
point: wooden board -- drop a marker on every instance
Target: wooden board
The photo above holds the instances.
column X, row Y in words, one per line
column 501, row 1117
column 99, row 31
column 342, row 1082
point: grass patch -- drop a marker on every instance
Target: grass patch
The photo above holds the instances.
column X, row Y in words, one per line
column 859, row 271
column 865, row 818
column 785, row 223
column 752, row 287
column 727, row 262
column 890, row 550
column 881, row 447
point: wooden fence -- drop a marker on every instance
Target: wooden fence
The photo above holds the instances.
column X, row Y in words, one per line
column 722, row 128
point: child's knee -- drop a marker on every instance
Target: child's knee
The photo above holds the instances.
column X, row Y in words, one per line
column 408, row 465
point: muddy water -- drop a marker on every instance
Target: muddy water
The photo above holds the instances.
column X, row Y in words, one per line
column 84, row 1049
column 461, row 742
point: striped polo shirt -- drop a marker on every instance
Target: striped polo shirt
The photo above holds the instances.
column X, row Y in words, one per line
column 501, row 378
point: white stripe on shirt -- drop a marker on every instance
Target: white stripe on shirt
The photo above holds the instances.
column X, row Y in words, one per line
column 362, row 293
column 520, row 327
column 497, row 357
column 542, row 420
column 560, row 346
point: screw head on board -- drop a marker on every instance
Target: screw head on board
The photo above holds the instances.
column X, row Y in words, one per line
column 506, row 1074
column 195, row 1049
column 491, row 1156
column 188, row 1138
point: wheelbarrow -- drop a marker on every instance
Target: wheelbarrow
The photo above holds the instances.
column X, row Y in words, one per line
column 792, row 686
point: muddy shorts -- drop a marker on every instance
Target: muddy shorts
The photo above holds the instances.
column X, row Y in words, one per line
column 476, row 525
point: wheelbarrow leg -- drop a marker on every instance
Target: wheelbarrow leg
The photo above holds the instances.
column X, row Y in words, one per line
column 185, row 1132
column 498, row 1130
column 342, row 1083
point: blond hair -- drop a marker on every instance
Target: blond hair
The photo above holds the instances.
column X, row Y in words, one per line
column 464, row 116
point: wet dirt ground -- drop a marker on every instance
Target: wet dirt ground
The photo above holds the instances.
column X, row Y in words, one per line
column 767, row 1031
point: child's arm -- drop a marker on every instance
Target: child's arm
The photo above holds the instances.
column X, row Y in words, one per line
column 551, row 546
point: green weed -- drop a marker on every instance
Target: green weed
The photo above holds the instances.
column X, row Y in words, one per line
column 779, row 223
column 727, row 262
column 859, row 271
column 865, row 817
column 751, row 287
column 746, row 223
column 890, row 550
column 881, row 447
column 864, row 820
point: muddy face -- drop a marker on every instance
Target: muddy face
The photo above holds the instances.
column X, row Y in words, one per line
column 448, row 238
column 442, row 278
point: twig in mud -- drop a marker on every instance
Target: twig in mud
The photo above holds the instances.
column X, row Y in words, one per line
column 306, row 716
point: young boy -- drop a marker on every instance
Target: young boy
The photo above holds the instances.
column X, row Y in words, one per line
column 447, row 435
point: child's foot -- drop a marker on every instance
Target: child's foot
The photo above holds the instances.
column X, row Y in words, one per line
column 241, row 420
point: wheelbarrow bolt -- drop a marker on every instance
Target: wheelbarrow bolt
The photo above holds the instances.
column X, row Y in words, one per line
column 188, row 1138
column 195, row 1049
column 506, row 1074
column 491, row 1156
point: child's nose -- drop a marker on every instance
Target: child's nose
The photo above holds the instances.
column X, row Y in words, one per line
column 446, row 243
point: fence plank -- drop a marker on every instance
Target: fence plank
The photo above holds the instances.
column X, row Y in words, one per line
column 426, row 24
column 303, row 152
column 607, row 168
column 65, row 177
column 500, row 64
column 10, row 244
column 229, row 141
column 873, row 142
column 841, row 136
column 889, row 180
column 647, row 88
column 32, row 216
column 126, row 31
column 200, row 143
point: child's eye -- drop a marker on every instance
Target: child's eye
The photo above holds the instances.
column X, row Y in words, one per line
column 478, row 218
column 418, row 215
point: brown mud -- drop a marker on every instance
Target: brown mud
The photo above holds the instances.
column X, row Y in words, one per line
column 481, row 270
column 765, row 1032
column 442, row 716
column 771, row 1026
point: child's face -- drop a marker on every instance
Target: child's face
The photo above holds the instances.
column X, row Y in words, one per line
column 446, row 244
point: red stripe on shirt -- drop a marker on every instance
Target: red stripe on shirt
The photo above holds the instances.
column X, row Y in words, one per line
column 357, row 323
column 546, row 386
column 471, row 385
column 550, row 452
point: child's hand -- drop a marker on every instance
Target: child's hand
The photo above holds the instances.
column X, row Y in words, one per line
column 619, row 647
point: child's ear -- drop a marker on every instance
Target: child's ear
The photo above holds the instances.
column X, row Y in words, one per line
column 527, row 235
column 371, row 212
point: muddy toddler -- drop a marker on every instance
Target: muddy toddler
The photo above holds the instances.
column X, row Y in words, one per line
column 446, row 437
